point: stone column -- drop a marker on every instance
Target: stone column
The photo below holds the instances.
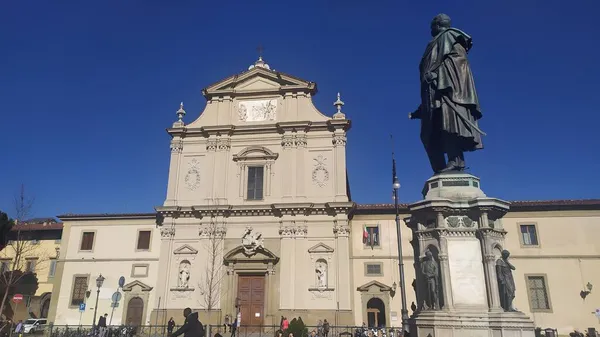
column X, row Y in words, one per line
column 176, row 149
column 445, row 275
column 167, row 233
column 492, row 283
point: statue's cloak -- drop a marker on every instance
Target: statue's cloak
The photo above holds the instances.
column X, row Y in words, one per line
column 449, row 103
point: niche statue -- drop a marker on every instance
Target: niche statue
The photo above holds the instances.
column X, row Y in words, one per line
column 449, row 108
column 430, row 270
column 506, row 282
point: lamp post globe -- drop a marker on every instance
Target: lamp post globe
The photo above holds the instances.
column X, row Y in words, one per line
column 396, row 185
column 99, row 282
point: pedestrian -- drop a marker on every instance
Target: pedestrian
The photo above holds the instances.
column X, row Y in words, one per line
column 19, row 328
column 192, row 326
column 170, row 325
column 325, row 328
column 102, row 325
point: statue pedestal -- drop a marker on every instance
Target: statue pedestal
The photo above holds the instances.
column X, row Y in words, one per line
column 462, row 228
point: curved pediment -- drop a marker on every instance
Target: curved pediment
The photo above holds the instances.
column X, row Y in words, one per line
column 261, row 255
column 255, row 152
column 374, row 284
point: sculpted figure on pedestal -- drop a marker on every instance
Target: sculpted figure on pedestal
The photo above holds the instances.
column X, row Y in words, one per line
column 430, row 270
column 506, row 282
column 184, row 274
column 449, row 108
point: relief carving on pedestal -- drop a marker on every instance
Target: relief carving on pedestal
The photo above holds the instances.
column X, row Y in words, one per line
column 320, row 175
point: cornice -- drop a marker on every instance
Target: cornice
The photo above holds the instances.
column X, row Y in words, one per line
column 275, row 209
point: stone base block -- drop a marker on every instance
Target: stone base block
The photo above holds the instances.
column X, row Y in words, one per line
column 459, row 324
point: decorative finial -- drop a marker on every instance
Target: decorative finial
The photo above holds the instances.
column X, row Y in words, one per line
column 339, row 104
column 260, row 62
column 180, row 113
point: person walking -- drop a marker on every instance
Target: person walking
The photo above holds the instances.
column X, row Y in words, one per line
column 102, row 325
column 170, row 325
column 192, row 326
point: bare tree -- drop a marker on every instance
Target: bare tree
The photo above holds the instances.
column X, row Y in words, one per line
column 213, row 234
column 25, row 255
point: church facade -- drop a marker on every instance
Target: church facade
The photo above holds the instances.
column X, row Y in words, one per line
column 258, row 219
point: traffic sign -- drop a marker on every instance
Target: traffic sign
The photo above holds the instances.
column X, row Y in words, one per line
column 82, row 307
column 17, row 298
column 116, row 296
column 598, row 313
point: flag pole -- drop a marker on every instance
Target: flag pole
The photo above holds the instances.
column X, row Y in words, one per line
column 396, row 187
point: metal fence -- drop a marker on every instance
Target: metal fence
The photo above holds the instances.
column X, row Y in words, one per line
column 212, row 330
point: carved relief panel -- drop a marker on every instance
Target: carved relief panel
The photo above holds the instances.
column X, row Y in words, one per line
column 257, row 110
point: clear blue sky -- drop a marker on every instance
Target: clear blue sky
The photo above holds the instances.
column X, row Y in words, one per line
column 88, row 87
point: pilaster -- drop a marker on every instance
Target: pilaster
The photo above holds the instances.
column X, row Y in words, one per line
column 172, row 185
column 339, row 144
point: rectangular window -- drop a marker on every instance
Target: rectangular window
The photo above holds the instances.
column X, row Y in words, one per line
column 87, row 241
column 538, row 293
column 30, row 266
column 52, row 269
column 143, row 242
column 255, row 183
column 5, row 266
column 79, row 289
column 371, row 236
column 373, row 269
column 529, row 235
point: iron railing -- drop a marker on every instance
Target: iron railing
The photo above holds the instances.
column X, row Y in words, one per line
column 212, row 330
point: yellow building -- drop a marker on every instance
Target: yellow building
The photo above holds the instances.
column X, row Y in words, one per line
column 35, row 245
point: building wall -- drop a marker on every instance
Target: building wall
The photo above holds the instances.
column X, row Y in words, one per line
column 42, row 250
column 568, row 256
column 114, row 255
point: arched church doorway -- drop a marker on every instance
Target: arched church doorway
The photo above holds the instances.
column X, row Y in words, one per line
column 135, row 311
column 376, row 313
column 45, row 308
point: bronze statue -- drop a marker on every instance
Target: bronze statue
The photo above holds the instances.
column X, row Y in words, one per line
column 430, row 270
column 449, row 108
column 506, row 282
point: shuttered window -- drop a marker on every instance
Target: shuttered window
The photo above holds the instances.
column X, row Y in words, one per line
column 87, row 241
column 143, row 242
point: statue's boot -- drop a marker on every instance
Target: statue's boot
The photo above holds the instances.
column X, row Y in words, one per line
column 452, row 167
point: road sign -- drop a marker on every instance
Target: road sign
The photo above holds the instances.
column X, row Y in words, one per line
column 121, row 281
column 598, row 313
column 116, row 296
column 82, row 307
column 17, row 298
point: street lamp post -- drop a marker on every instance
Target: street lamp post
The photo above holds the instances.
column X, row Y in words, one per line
column 396, row 187
column 99, row 282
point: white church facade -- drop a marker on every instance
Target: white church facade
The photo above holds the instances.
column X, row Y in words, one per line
column 258, row 217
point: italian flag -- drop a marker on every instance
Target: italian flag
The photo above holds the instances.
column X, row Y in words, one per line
column 365, row 234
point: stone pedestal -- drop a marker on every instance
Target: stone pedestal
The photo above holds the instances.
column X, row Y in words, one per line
column 462, row 228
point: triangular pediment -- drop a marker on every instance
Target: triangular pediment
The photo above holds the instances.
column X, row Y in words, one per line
column 320, row 248
column 131, row 285
column 258, row 80
column 185, row 249
column 260, row 255
column 374, row 284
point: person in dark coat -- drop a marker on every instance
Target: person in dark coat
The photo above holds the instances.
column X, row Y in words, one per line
column 192, row 326
column 170, row 326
